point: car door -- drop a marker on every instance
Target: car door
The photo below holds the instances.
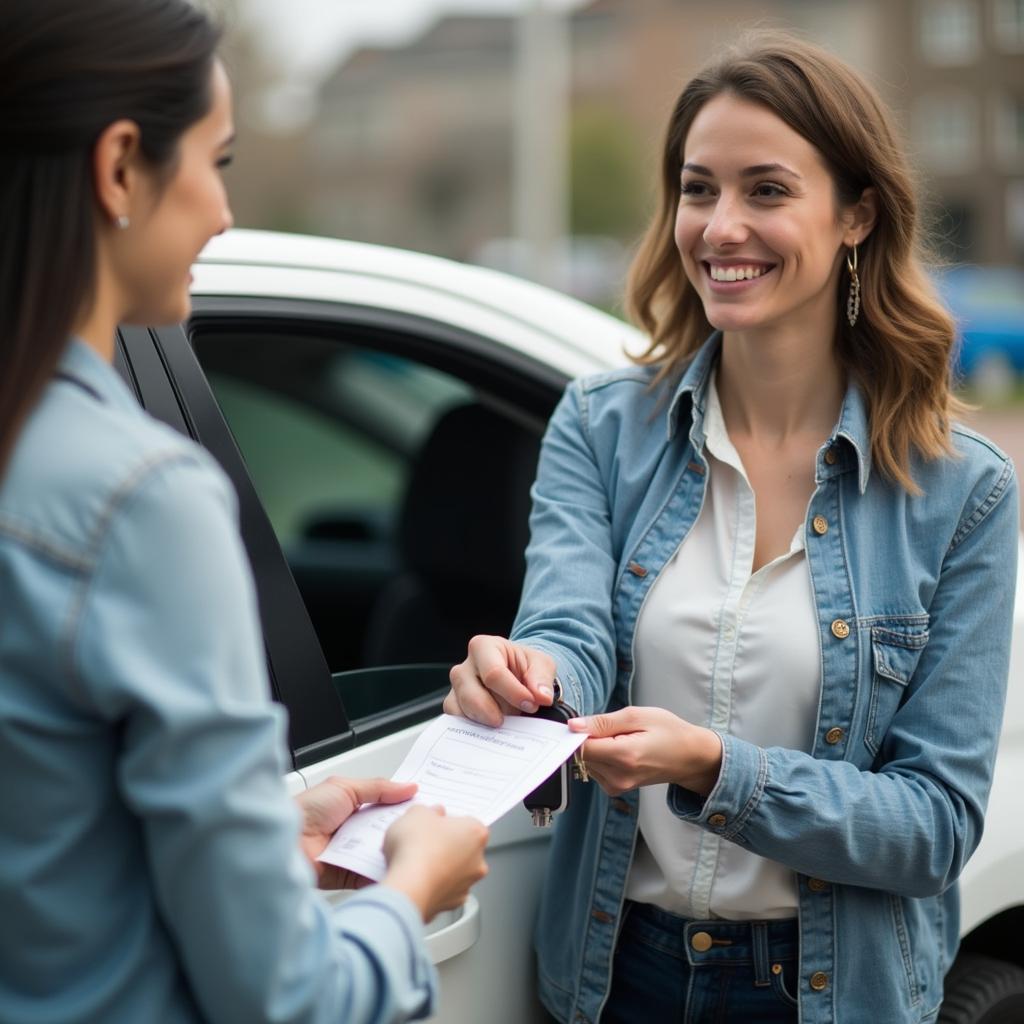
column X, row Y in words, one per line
column 344, row 431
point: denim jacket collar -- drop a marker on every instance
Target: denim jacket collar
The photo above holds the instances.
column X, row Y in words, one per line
column 852, row 424
column 83, row 365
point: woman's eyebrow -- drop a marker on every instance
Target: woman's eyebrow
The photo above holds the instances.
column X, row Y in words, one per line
column 747, row 172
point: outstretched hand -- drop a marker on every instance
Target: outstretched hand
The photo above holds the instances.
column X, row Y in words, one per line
column 639, row 746
column 324, row 808
column 500, row 678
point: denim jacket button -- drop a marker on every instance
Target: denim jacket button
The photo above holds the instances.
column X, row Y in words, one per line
column 820, row 524
column 637, row 569
column 831, row 457
column 834, row 735
column 819, row 981
column 717, row 821
column 840, row 629
column 817, row 885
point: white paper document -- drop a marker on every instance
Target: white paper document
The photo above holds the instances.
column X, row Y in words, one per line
column 469, row 768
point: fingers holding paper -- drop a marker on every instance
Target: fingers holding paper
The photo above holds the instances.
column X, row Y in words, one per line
column 325, row 806
column 499, row 678
column 642, row 746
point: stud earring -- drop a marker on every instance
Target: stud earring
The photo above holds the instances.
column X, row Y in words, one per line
column 853, row 299
column 122, row 222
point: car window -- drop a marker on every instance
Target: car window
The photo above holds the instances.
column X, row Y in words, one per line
column 364, row 461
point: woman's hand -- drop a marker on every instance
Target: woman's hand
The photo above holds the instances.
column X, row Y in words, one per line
column 434, row 859
column 644, row 746
column 499, row 678
column 327, row 805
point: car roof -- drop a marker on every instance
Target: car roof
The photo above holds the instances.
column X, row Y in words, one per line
column 542, row 323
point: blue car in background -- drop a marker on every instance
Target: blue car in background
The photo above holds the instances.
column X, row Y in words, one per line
column 988, row 303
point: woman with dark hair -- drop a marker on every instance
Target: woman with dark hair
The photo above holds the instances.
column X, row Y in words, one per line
column 152, row 865
column 776, row 578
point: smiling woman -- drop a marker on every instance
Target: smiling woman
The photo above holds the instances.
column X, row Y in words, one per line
column 776, row 578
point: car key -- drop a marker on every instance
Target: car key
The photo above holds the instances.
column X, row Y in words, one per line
column 552, row 795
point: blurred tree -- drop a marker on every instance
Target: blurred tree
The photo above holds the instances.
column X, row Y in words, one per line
column 609, row 194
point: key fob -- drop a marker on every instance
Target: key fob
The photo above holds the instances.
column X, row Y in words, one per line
column 552, row 795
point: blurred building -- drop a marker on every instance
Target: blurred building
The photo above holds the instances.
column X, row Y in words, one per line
column 956, row 68
column 413, row 145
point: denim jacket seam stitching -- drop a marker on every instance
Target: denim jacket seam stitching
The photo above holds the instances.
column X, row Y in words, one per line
column 649, row 579
column 858, row 691
column 101, row 533
column 588, row 437
column 910, row 618
column 893, row 638
column 588, row 942
column 752, row 801
column 609, row 378
column 41, row 545
column 971, row 522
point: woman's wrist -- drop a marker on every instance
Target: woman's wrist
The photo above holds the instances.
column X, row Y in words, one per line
column 703, row 761
column 412, row 885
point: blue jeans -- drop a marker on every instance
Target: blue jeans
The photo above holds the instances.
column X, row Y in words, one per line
column 677, row 971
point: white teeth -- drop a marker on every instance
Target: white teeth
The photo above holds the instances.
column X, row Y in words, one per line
column 735, row 273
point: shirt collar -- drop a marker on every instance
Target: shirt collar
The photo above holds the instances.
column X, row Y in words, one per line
column 716, row 436
column 83, row 364
column 852, row 426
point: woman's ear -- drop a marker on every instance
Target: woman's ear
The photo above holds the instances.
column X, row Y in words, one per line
column 116, row 171
column 859, row 218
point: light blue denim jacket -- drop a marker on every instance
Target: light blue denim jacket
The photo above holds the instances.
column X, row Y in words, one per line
column 149, row 860
column 914, row 600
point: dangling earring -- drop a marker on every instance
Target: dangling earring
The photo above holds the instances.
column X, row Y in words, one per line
column 853, row 299
column 123, row 222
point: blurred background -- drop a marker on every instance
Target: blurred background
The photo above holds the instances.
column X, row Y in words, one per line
column 524, row 134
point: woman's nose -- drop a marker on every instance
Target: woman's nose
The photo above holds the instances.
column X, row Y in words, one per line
column 726, row 226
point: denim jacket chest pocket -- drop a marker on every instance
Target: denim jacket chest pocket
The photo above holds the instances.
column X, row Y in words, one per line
column 895, row 651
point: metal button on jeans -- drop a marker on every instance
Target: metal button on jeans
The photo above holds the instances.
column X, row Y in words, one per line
column 834, row 735
column 701, row 941
column 840, row 629
column 819, row 981
column 816, row 885
column 820, row 524
column 717, row 820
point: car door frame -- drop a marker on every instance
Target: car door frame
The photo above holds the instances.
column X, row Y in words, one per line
column 172, row 386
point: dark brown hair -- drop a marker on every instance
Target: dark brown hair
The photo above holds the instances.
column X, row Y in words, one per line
column 899, row 350
column 69, row 69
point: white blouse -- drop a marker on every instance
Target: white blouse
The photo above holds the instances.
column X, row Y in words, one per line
column 732, row 651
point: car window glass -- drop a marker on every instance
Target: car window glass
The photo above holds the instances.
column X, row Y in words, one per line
column 366, row 464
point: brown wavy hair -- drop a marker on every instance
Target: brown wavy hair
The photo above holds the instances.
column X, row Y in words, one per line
column 899, row 351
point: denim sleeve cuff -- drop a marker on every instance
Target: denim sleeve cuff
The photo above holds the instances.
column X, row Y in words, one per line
column 568, row 678
column 737, row 792
column 386, row 921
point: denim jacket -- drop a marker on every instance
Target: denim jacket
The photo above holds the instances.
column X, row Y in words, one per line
column 149, row 860
column 914, row 600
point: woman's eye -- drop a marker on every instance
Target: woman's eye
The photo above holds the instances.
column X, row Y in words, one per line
column 694, row 188
column 225, row 161
column 769, row 190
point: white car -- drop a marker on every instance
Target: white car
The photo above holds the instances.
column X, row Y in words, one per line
column 379, row 413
